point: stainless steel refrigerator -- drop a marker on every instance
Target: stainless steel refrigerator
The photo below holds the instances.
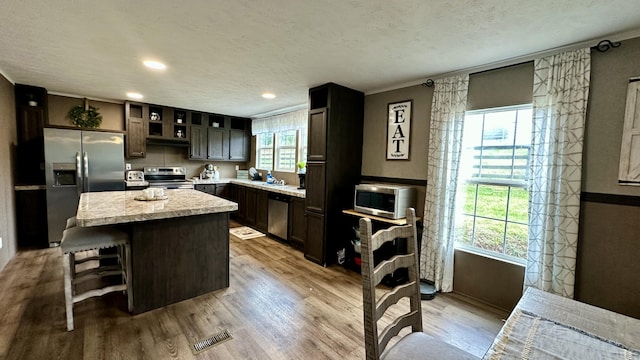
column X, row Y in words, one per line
column 79, row 161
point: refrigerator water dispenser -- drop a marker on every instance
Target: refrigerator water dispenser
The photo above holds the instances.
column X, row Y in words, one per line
column 64, row 174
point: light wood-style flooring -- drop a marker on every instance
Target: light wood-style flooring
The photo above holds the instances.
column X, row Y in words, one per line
column 278, row 306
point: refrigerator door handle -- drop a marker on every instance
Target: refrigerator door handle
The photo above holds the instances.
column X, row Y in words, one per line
column 86, row 172
column 78, row 174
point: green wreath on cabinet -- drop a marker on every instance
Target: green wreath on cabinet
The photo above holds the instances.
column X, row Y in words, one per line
column 85, row 116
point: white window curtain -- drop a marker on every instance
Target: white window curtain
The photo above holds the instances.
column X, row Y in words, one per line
column 295, row 120
column 445, row 145
column 560, row 94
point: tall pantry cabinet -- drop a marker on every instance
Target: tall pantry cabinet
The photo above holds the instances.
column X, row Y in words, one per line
column 29, row 176
column 334, row 161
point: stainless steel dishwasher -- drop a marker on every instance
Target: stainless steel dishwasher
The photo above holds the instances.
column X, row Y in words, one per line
column 278, row 221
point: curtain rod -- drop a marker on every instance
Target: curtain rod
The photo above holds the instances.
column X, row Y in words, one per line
column 511, row 61
column 602, row 46
column 605, row 45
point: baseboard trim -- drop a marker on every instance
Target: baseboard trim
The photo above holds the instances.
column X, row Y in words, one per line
column 475, row 301
column 614, row 199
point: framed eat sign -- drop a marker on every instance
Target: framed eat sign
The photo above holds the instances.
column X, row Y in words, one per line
column 399, row 130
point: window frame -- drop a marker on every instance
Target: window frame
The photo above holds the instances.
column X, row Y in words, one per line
column 508, row 184
column 276, row 152
column 299, row 149
column 259, row 165
column 303, row 143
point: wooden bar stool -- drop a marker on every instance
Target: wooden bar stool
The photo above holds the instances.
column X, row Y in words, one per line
column 81, row 239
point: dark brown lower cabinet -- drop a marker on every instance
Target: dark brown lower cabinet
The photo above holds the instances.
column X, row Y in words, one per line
column 297, row 224
column 253, row 210
column 221, row 190
column 316, row 186
column 314, row 245
column 206, row 188
column 31, row 216
column 241, row 199
column 250, row 206
column 262, row 210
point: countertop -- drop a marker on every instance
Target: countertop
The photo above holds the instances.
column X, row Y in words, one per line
column 117, row 207
column 29, row 187
column 290, row 190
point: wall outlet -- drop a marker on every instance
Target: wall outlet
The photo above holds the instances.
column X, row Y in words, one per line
column 237, row 167
column 127, row 166
column 0, row 242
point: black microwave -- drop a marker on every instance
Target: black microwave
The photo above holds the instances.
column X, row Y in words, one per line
column 384, row 200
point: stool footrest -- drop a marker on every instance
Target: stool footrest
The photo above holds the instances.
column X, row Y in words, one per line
column 97, row 257
column 99, row 292
column 97, row 273
column 91, row 241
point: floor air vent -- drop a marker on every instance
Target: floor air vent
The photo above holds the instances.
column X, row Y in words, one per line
column 213, row 340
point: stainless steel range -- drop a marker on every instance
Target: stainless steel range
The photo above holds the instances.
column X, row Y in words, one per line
column 169, row 177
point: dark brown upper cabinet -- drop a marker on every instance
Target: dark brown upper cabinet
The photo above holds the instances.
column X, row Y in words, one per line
column 208, row 136
column 198, row 137
column 31, row 117
column 317, row 145
column 136, row 138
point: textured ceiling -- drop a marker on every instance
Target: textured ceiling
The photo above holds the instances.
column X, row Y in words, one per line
column 222, row 55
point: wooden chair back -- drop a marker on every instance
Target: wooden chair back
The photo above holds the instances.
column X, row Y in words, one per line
column 373, row 275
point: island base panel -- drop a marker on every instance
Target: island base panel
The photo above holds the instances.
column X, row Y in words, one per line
column 179, row 258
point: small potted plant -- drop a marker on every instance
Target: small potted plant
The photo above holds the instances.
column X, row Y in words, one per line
column 302, row 173
column 302, row 167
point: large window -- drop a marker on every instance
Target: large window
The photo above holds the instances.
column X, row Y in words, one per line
column 286, row 151
column 493, row 199
column 264, row 151
column 281, row 151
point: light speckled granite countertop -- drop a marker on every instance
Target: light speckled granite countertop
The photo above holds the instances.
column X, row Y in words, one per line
column 290, row 190
column 117, row 207
column 29, row 187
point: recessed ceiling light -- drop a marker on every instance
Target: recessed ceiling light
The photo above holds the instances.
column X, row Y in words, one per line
column 268, row 96
column 154, row 64
column 133, row 95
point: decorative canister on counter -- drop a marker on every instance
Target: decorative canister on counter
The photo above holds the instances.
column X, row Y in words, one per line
column 216, row 173
column 242, row 174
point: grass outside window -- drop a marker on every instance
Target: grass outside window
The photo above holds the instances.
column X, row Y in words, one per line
column 495, row 227
column 493, row 200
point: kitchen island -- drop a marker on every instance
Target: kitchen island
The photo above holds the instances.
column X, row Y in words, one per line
column 179, row 246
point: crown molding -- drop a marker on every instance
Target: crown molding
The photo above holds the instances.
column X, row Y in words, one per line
column 281, row 111
column 4, row 74
column 120, row 102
